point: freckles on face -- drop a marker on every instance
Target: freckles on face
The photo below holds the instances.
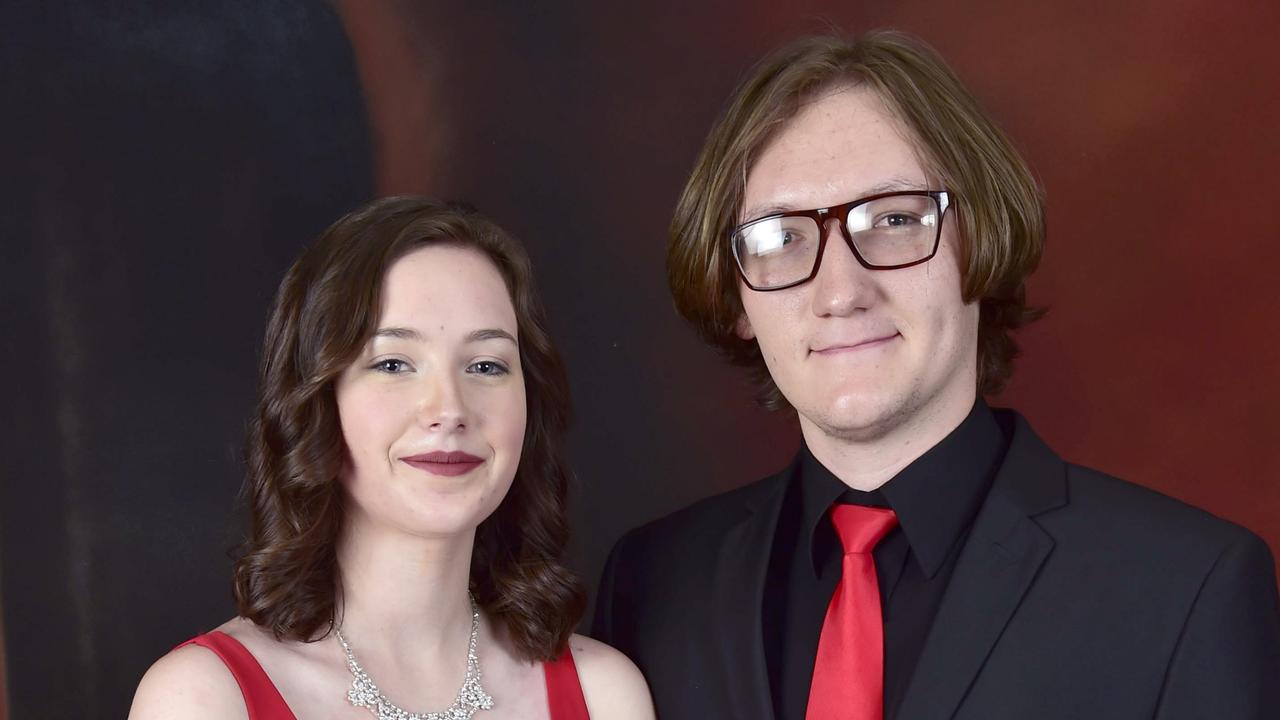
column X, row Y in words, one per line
column 433, row 409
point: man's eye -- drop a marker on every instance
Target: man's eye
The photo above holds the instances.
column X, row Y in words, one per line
column 391, row 366
column 487, row 367
column 897, row 220
column 792, row 236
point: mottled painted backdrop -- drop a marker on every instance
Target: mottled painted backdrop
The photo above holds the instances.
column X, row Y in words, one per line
column 165, row 161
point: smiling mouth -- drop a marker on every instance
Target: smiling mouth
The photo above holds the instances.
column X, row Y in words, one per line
column 855, row 347
column 447, row 464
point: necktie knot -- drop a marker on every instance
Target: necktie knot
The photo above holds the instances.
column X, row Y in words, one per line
column 861, row 527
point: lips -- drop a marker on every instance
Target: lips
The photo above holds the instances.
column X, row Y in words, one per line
column 841, row 346
column 448, row 464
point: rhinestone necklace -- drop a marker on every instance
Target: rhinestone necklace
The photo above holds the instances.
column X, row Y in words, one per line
column 471, row 696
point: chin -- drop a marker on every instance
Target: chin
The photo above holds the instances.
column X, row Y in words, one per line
column 860, row 416
column 442, row 517
column 440, row 526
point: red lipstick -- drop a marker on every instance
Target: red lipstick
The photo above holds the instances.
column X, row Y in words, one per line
column 449, row 464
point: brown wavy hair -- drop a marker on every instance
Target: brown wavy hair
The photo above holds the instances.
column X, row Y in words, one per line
column 999, row 205
column 287, row 578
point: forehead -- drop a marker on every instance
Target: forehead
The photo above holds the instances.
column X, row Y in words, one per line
column 445, row 285
column 843, row 144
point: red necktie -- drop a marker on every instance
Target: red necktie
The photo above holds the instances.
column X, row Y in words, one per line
column 848, row 672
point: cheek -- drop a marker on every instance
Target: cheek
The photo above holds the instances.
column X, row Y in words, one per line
column 961, row 317
column 504, row 418
column 775, row 319
column 932, row 296
column 515, row 420
column 368, row 424
column 967, row 327
column 951, row 322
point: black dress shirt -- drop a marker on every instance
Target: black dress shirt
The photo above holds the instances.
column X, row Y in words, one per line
column 935, row 499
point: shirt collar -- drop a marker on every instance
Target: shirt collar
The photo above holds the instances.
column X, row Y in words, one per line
column 935, row 497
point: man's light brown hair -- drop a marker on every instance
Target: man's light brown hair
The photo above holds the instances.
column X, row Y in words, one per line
column 997, row 203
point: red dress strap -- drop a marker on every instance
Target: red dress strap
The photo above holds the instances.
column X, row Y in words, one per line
column 261, row 698
column 564, row 692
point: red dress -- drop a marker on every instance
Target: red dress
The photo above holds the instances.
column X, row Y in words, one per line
column 263, row 700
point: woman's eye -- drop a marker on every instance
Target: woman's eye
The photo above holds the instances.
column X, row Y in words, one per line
column 391, row 366
column 487, row 367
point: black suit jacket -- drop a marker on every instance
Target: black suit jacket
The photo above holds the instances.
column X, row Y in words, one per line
column 1077, row 595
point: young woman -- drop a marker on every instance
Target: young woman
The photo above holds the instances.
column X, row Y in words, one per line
column 407, row 489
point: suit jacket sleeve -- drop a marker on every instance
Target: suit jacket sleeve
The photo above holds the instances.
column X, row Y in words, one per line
column 1227, row 661
column 602, row 626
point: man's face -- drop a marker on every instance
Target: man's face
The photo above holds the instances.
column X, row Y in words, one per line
column 859, row 353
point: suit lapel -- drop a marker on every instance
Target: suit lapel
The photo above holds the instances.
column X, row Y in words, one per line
column 737, row 589
column 995, row 569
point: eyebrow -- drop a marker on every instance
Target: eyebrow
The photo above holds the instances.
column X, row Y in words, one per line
column 490, row 334
column 890, row 185
column 399, row 333
column 403, row 333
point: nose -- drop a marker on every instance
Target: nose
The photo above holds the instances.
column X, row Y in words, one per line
column 842, row 286
column 442, row 407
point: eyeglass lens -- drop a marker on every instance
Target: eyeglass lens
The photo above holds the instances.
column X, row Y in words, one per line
column 887, row 232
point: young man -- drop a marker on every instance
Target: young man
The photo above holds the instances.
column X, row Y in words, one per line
column 858, row 231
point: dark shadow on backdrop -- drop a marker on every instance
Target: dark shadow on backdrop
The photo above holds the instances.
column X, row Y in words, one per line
column 163, row 164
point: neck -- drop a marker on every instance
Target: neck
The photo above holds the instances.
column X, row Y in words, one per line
column 867, row 459
column 404, row 596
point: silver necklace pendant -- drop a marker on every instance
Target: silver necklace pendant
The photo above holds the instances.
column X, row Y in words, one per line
column 471, row 696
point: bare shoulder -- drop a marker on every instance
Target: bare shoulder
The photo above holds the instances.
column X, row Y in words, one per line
column 612, row 685
column 190, row 683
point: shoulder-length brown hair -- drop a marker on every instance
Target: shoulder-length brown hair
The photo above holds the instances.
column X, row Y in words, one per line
column 287, row 577
column 999, row 205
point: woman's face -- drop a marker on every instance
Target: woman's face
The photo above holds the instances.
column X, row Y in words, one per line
column 433, row 409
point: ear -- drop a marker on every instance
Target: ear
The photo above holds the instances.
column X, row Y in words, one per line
column 742, row 328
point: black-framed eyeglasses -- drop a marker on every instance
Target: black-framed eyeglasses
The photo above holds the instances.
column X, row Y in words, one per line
column 887, row 231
